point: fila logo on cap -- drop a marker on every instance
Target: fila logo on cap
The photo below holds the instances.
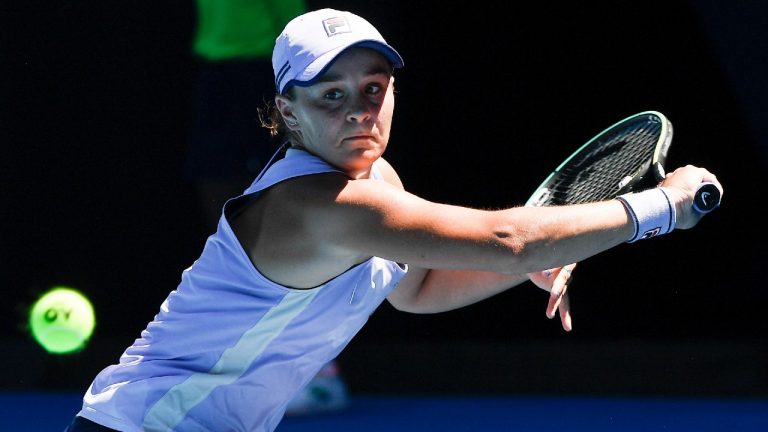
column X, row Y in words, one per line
column 334, row 26
column 301, row 54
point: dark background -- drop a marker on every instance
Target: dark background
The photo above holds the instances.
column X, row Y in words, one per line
column 97, row 104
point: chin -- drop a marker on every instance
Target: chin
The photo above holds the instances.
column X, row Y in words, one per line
column 369, row 154
column 361, row 160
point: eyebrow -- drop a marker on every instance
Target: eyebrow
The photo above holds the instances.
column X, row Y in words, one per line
column 373, row 70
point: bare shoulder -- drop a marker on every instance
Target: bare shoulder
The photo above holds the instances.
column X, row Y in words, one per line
column 298, row 232
column 388, row 172
column 315, row 196
column 342, row 216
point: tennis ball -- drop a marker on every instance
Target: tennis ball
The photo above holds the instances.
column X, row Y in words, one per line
column 62, row 320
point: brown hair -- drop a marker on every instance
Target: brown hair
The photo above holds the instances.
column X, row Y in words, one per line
column 271, row 119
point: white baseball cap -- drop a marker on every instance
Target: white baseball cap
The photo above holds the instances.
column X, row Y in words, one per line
column 310, row 42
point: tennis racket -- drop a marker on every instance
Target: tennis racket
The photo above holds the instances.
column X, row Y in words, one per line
column 627, row 157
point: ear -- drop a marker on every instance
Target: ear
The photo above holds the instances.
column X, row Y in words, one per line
column 284, row 104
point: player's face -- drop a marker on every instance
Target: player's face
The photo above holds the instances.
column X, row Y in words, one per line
column 346, row 116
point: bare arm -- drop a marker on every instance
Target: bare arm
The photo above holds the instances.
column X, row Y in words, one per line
column 430, row 291
column 436, row 290
column 472, row 254
column 381, row 220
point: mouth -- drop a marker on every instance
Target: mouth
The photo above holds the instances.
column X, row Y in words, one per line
column 359, row 138
column 360, row 142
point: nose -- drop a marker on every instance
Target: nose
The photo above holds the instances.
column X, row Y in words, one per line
column 360, row 110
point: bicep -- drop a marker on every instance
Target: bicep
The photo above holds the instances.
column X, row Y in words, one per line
column 378, row 219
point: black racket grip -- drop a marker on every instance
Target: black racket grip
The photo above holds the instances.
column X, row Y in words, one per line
column 707, row 198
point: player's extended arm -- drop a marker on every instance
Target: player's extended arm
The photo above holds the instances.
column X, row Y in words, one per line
column 440, row 290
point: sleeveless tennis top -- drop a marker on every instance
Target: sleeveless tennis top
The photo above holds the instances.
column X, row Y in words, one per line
column 229, row 348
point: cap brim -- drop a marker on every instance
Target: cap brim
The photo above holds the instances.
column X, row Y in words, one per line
column 317, row 68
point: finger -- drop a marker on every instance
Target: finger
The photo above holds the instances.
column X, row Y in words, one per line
column 555, row 296
column 569, row 268
column 552, row 305
column 559, row 288
column 565, row 313
column 565, row 304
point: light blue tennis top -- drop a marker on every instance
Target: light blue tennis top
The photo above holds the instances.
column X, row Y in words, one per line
column 229, row 348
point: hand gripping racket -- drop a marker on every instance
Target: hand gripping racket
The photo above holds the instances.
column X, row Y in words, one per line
column 627, row 157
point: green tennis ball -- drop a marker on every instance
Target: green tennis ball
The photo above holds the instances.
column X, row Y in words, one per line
column 62, row 320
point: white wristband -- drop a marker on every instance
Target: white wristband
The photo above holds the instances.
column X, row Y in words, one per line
column 652, row 212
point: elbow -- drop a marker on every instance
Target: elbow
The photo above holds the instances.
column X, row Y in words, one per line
column 524, row 254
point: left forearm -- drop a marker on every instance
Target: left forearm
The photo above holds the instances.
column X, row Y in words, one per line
column 443, row 290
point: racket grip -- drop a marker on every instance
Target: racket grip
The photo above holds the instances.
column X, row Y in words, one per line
column 707, row 198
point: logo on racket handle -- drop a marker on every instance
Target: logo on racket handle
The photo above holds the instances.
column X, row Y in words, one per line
column 707, row 198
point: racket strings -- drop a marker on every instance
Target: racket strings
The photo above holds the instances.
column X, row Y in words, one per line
column 608, row 165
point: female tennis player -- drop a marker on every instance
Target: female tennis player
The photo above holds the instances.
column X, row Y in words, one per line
column 324, row 235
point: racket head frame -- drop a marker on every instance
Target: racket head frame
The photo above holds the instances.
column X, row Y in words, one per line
column 638, row 177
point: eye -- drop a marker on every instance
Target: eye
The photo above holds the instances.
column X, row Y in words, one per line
column 334, row 94
column 374, row 88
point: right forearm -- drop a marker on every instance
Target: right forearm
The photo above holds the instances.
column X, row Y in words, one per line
column 556, row 236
